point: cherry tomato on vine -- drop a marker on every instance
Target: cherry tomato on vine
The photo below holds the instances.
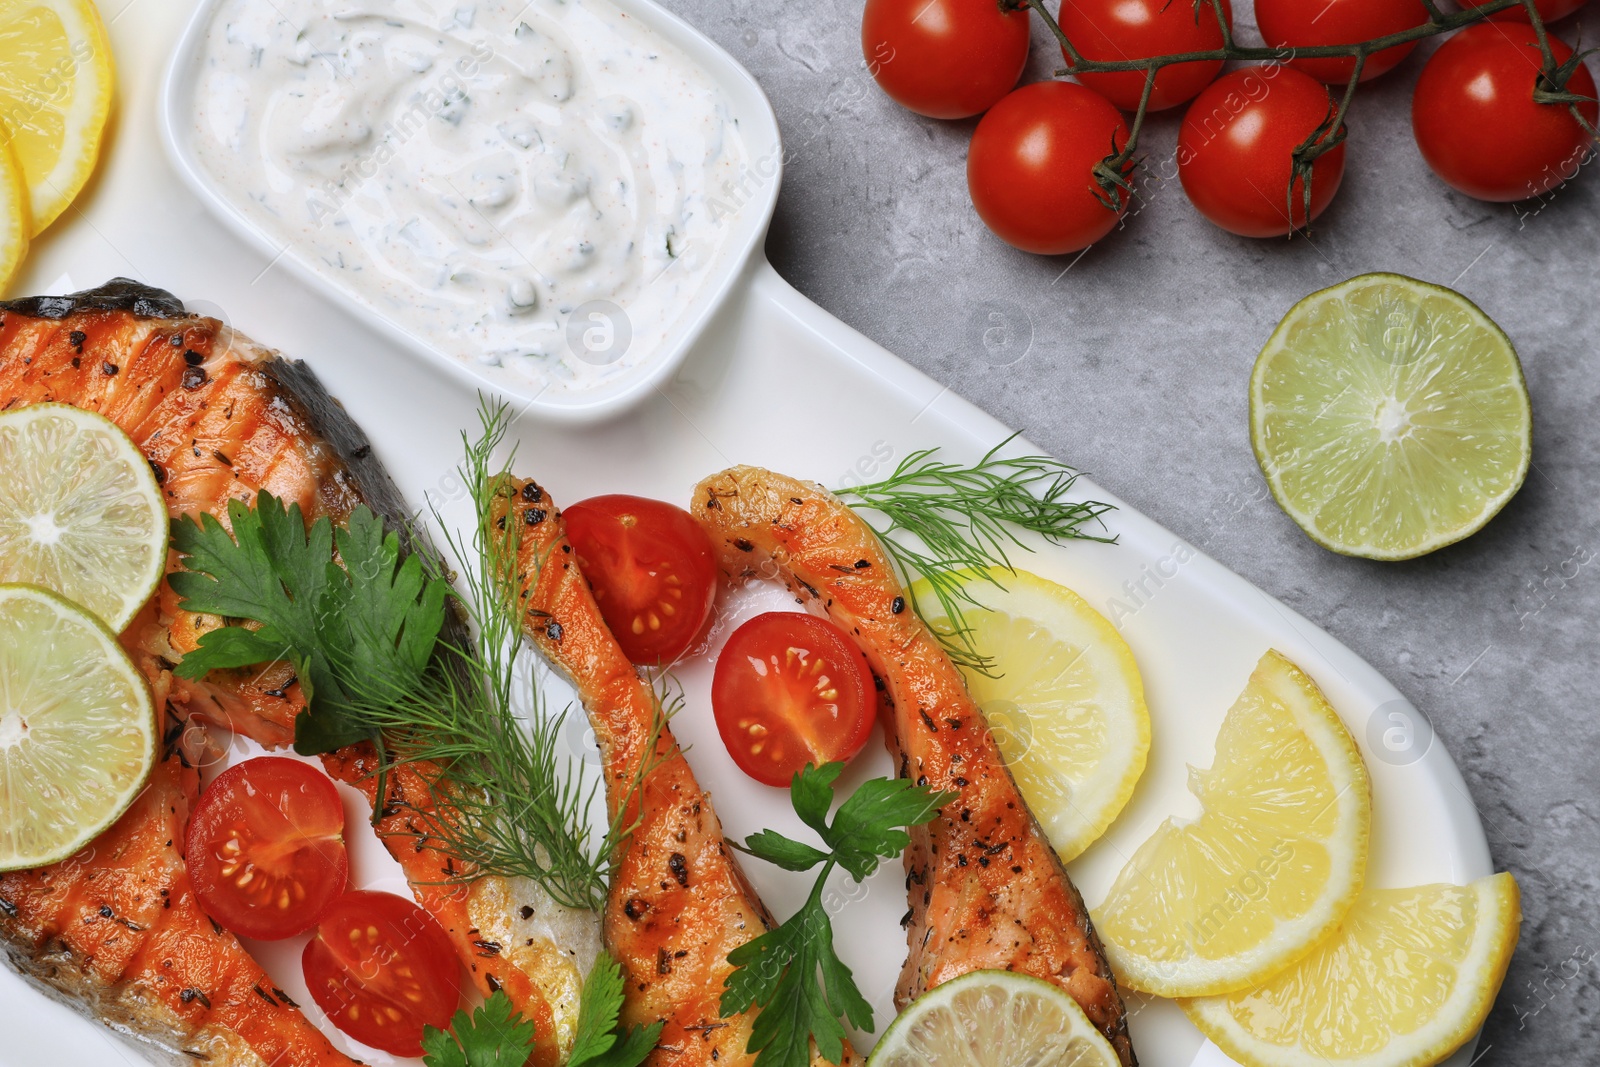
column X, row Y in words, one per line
column 1476, row 121
column 382, row 968
column 1139, row 29
column 1029, row 168
column 791, row 689
column 1549, row 10
column 651, row 569
column 947, row 59
column 266, row 847
column 1298, row 24
column 1235, row 151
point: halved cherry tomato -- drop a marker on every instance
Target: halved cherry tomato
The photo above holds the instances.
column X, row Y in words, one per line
column 791, row 689
column 1108, row 30
column 382, row 968
column 266, row 847
column 651, row 569
column 946, row 59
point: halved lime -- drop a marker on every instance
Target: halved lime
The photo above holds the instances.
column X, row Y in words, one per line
column 1390, row 417
column 993, row 1019
column 77, row 728
column 80, row 510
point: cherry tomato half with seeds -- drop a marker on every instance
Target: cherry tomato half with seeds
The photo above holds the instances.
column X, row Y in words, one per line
column 1478, row 125
column 1549, row 10
column 1107, row 30
column 382, row 968
column 1236, row 150
column 265, row 847
column 1031, row 162
column 1298, row 24
column 791, row 689
column 652, row 571
column 947, row 59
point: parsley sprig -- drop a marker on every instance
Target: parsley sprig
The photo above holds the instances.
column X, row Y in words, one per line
column 792, row 973
column 496, row 1035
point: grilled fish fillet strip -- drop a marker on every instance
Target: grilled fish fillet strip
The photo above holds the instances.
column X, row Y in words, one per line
column 219, row 417
column 986, row 889
column 678, row 901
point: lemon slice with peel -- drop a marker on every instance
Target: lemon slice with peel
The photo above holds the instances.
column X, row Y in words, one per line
column 993, row 1019
column 1390, row 417
column 55, row 93
column 80, row 510
column 1272, row 864
column 14, row 220
column 1064, row 699
column 77, row 728
column 1408, row 979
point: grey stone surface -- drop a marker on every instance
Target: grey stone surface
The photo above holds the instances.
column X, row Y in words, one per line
column 1137, row 370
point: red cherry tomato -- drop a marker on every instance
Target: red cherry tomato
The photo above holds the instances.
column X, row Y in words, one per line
column 652, row 571
column 791, row 689
column 1235, row 151
column 1029, row 168
column 946, row 59
column 266, row 847
column 1299, row 24
column 1476, row 121
column 382, row 968
column 1139, row 29
column 1549, row 10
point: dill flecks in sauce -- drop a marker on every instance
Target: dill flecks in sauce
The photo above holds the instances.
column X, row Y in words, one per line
column 474, row 172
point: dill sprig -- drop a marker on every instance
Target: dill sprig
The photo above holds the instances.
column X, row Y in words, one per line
column 947, row 521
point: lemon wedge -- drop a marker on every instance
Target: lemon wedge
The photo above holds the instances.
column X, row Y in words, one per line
column 55, row 93
column 81, row 513
column 1408, row 979
column 1063, row 698
column 14, row 221
column 77, row 728
column 1270, row 867
column 1390, row 417
column 993, row 1019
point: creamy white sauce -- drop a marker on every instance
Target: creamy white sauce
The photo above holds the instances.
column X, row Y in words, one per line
column 477, row 172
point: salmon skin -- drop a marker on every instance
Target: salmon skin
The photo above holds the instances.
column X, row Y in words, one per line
column 220, row 417
column 986, row 889
column 678, row 901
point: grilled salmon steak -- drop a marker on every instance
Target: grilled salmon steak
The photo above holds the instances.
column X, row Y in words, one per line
column 986, row 889
column 678, row 901
column 219, row 417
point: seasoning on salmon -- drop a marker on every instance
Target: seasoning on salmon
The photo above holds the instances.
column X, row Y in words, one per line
column 678, row 901
column 986, row 889
column 220, row 417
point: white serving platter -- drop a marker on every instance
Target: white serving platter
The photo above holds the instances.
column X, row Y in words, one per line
column 772, row 380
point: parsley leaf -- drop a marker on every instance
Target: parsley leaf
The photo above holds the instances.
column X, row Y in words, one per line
column 792, row 973
column 373, row 622
column 599, row 1043
column 495, row 1035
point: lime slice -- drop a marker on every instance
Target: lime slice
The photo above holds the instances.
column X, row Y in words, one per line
column 993, row 1019
column 1390, row 417
column 80, row 511
column 77, row 728
column 55, row 94
column 1064, row 699
column 1408, row 979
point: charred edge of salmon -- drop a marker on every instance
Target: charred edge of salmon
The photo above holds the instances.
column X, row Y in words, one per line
column 118, row 294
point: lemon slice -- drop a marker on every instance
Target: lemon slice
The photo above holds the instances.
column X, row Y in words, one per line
column 1271, row 865
column 1390, row 417
column 77, row 728
column 80, row 510
column 14, row 222
column 1407, row 980
column 55, row 94
column 993, row 1019
column 1065, row 701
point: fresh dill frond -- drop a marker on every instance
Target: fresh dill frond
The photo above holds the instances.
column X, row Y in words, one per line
column 945, row 520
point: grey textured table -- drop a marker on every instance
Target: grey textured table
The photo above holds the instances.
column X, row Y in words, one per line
column 1132, row 363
